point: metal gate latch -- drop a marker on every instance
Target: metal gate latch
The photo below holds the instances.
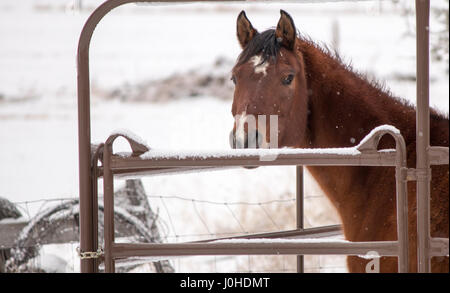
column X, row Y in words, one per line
column 90, row 254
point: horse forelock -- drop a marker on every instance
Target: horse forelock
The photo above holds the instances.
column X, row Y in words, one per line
column 264, row 45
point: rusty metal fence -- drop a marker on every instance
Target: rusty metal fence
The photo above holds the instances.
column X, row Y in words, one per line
column 365, row 154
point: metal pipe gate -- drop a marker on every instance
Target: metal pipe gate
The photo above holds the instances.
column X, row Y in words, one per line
column 364, row 155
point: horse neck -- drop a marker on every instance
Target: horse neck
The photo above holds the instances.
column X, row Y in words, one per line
column 343, row 109
column 343, row 106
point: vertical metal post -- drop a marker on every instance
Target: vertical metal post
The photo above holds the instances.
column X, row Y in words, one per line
column 423, row 135
column 299, row 211
column 108, row 208
column 94, row 183
column 84, row 149
column 402, row 205
column 87, row 215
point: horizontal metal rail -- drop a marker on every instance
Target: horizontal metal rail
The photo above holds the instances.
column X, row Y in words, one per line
column 438, row 155
column 439, row 246
column 126, row 165
column 316, row 232
column 119, row 163
column 124, row 173
column 254, row 247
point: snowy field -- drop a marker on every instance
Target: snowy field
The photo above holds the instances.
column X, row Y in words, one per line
column 135, row 43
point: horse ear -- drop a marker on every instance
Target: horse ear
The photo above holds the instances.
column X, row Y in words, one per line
column 245, row 30
column 286, row 32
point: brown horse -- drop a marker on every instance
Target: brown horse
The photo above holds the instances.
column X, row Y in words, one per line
column 323, row 103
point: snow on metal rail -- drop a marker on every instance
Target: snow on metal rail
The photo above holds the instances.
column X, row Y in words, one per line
column 365, row 153
column 171, row 161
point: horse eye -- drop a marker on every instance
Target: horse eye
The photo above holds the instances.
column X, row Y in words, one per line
column 288, row 79
column 233, row 78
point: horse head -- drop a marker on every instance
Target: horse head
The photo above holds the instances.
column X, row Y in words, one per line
column 270, row 80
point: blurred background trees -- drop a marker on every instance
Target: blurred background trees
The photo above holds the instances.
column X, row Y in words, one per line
column 439, row 28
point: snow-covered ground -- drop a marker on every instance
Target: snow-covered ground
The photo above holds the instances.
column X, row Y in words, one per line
column 135, row 43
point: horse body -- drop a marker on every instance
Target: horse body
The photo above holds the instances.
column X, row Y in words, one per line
column 344, row 107
column 322, row 103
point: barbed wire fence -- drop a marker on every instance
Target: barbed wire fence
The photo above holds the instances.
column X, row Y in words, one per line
column 232, row 218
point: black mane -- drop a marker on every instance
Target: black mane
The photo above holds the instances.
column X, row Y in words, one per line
column 264, row 43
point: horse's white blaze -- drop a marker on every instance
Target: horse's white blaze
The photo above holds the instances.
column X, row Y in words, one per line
column 259, row 68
